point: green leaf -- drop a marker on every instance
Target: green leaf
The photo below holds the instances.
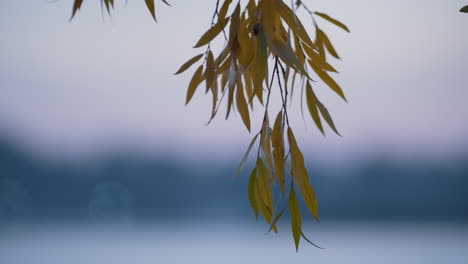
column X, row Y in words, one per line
column 211, row 33
column 252, row 191
column 196, row 80
column 150, row 5
column 188, row 64
column 332, row 20
column 464, row 9
column 296, row 218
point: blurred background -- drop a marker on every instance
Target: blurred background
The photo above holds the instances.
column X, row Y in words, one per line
column 101, row 162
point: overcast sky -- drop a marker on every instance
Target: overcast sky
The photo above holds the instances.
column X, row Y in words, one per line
column 94, row 84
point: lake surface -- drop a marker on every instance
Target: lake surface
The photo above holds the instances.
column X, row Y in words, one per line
column 234, row 243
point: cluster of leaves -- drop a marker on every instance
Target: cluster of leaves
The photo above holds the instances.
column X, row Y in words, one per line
column 268, row 29
column 267, row 34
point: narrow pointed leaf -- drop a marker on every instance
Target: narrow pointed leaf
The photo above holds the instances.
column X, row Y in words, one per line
column 310, row 242
column 251, row 190
column 328, row 44
column 326, row 115
column 246, row 155
column 278, row 149
column 329, row 81
column 212, row 33
column 224, row 8
column 296, row 218
column 76, row 7
column 273, row 223
column 188, row 64
column 301, row 177
column 194, row 83
column 150, row 5
column 332, row 20
column 312, row 105
column 242, row 106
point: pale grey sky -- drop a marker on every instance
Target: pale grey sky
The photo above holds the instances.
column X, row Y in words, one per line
column 93, row 84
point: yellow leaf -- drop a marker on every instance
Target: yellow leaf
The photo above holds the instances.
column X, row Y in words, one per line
column 260, row 66
column 326, row 115
column 188, row 64
column 284, row 51
column 317, row 60
column 312, row 105
column 232, row 80
column 266, row 143
column 210, row 71
column 265, row 191
column 328, row 44
column 301, row 177
column 234, row 28
column 76, row 7
column 224, row 8
column 242, row 106
column 196, row 80
column 251, row 190
column 293, row 22
column 329, row 81
column 278, row 149
column 273, row 223
column 296, row 218
column 212, row 33
column 249, row 88
column 333, row 21
column 150, row 5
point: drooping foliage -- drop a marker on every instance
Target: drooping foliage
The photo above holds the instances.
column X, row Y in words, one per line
column 265, row 41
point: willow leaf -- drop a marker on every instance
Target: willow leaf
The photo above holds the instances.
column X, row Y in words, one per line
column 312, row 105
column 273, row 223
column 188, row 64
column 301, row 177
column 242, row 106
column 224, row 8
column 326, row 115
column 196, row 79
column 278, row 149
column 251, row 190
column 246, row 155
column 332, row 20
column 150, row 5
column 212, row 33
column 76, row 6
column 329, row 81
column 327, row 43
column 296, row 218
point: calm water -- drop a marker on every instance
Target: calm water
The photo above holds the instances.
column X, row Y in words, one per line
column 225, row 243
